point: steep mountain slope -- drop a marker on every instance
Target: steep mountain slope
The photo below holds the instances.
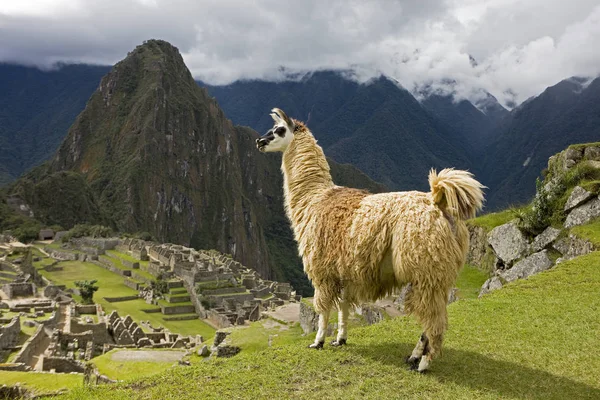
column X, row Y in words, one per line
column 153, row 152
column 566, row 113
column 378, row 127
column 36, row 109
column 471, row 125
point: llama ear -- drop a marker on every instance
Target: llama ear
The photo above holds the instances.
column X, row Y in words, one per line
column 278, row 113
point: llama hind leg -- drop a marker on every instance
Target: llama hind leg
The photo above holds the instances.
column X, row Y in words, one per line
column 342, row 335
column 429, row 306
column 322, row 332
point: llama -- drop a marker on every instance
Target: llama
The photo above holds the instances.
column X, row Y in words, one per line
column 357, row 246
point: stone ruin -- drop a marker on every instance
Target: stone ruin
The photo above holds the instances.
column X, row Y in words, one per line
column 221, row 289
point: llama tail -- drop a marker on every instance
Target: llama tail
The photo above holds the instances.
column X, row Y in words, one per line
column 456, row 192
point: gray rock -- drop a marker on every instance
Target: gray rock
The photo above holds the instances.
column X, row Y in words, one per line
column 570, row 164
column 220, row 336
column 225, row 351
column 309, row 319
column 453, row 295
column 583, row 214
column 531, row 265
column 572, row 246
column 28, row 323
column 494, row 283
column 577, row 197
column 592, row 153
column 371, row 313
column 203, row 352
column 545, row 238
column 508, row 242
column 573, row 154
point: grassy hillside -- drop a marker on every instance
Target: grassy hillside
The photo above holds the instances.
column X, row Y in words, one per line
column 536, row 338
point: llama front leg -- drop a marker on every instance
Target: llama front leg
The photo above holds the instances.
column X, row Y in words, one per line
column 342, row 324
column 322, row 332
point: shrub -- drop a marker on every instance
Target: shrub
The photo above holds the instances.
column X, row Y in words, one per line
column 87, row 290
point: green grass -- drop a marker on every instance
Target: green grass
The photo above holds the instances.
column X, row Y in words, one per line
column 41, row 383
column 469, row 282
column 589, row 232
column 44, row 262
column 144, row 274
column 492, row 220
column 255, row 337
column 128, row 370
column 123, row 256
column 110, row 284
column 536, row 339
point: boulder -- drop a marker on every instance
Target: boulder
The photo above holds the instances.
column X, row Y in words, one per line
column 573, row 154
column 309, row 319
column 508, row 242
column 372, row 314
column 494, row 283
column 220, row 336
column 578, row 196
column 399, row 302
column 225, row 351
column 592, row 153
column 583, row 214
column 203, row 352
column 478, row 245
column 572, row 246
column 453, row 295
column 545, row 238
column 531, row 265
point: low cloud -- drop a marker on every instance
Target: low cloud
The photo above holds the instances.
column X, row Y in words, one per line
column 519, row 47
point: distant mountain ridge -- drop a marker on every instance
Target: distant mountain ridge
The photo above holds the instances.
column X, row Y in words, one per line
column 566, row 113
column 36, row 110
column 378, row 127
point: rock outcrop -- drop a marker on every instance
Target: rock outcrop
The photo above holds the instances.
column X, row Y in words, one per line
column 578, row 196
column 545, row 238
column 531, row 265
column 583, row 214
column 508, row 242
column 516, row 257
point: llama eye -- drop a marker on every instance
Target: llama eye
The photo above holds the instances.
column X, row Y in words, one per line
column 280, row 131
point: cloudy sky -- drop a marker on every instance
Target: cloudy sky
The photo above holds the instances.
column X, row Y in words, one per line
column 520, row 47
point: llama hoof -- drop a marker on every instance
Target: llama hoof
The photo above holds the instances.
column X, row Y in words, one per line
column 317, row 346
column 337, row 343
column 413, row 363
column 423, row 365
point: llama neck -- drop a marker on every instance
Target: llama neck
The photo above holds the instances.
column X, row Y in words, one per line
column 306, row 176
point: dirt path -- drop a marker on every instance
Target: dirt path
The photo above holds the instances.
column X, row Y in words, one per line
column 148, row 355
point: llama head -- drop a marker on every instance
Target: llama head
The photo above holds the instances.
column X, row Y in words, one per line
column 280, row 136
